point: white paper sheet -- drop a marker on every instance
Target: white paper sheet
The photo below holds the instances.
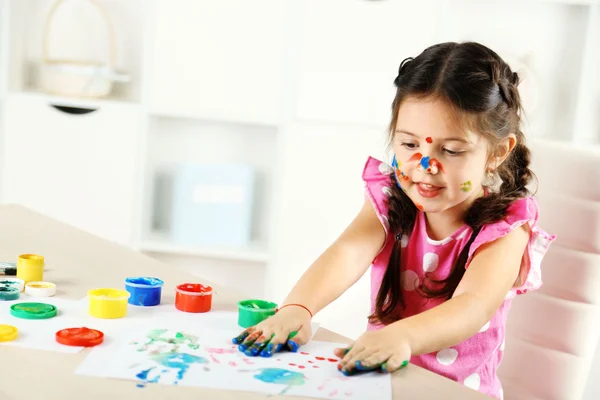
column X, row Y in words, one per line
column 206, row 358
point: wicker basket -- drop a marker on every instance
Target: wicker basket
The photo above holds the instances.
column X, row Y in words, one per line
column 79, row 78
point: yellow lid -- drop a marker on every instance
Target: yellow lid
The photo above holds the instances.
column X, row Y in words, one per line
column 8, row 333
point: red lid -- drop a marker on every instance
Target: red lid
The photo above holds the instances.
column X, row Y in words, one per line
column 194, row 288
column 79, row 337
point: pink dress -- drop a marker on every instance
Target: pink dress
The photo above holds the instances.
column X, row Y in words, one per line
column 474, row 361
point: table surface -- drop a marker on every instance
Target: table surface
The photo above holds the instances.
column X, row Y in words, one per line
column 77, row 261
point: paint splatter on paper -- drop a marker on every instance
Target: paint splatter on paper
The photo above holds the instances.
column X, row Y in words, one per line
column 206, row 359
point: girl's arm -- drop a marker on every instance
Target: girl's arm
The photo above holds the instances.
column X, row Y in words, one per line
column 342, row 264
column 489, row 277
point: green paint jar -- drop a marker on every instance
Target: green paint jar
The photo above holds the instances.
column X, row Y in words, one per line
column 251, row 312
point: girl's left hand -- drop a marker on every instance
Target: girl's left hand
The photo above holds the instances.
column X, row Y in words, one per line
column 384, row 349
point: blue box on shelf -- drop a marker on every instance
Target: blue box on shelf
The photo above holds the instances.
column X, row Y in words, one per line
column 212, row 204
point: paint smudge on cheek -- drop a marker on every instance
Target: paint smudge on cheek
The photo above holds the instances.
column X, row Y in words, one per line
column 416, row 157
column 466, row 186
column 420, row 207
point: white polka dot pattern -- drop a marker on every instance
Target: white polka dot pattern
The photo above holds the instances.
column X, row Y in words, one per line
column 473, row 381
column 385, row 169
column 447, row 356
column 410, row 280
column 404, row 241
column 485, row 327
column 386, row 191
column 430, row 262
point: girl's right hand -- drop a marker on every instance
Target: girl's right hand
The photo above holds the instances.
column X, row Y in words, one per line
column 290, row 327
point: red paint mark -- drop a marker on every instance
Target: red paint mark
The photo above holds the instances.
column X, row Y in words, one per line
column 301, row 366
column 221, row 351
column 428, row 140
column 429, row 169
column 315, row 366
column 333, row 393
column 332, row 360
column 320, row 358
column 434, row 161
column 310, row 361
column 292, row 364
column 214, row 359
column 232, row 364
column 303, row 352
column 416, row 157
column 279, row 359
column 247, row 361
column 420, row 207
column 405, row 177
column 339, row 367
column 349, row 394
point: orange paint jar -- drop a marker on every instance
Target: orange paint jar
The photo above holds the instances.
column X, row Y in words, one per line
column 193, row 298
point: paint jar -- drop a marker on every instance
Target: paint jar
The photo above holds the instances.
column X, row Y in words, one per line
column 40, row 289
column 13, row 282
column 108, row 303
column 30, row 267
column 251, row 312
column 8, row 293
column 193, row 298
column 145, row 291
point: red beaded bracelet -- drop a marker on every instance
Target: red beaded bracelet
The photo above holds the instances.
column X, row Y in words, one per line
column 294, row 304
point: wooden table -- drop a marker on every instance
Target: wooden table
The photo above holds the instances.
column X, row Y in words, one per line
column 78, row 261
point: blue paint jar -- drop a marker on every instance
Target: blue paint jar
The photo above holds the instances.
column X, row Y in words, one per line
column 145, row 291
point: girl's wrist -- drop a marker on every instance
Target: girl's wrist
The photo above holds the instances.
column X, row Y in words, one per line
column 297, row 306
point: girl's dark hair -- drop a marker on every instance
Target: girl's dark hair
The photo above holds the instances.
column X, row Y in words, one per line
column 482, row 88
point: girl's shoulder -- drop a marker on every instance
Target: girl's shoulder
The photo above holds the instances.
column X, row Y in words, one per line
column 522, row 211
column 376, row 176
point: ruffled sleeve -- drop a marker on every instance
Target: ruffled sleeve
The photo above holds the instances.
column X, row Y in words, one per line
column 376, row 176
column 522, row 211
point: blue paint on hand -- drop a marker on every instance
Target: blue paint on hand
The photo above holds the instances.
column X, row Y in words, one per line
column 293, row 346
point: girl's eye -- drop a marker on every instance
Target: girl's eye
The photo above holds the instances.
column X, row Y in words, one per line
column 452, row 153
column 409, row 145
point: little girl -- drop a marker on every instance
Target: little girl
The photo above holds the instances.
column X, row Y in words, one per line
column 449, row 229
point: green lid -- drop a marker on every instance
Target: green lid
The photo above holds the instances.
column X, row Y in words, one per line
column 33, row 310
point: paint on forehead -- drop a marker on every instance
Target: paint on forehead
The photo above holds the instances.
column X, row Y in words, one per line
column 428, row 139
column 466, row 186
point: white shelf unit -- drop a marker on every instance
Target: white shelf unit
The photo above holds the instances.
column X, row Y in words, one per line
column 301, row 89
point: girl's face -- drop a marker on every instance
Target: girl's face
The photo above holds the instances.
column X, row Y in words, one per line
column 439, row 165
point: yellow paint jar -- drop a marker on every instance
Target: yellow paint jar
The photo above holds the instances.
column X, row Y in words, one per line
column 108, row 303
column 30, row 268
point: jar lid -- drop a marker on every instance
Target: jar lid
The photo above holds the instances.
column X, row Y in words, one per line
column 83, row 337
column 143, row 282
column 8, row 333
column 9, row 293
column 194, row 289
column 40, row 289
column 33, row 310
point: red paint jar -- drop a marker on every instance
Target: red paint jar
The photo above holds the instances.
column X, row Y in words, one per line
column 193, row 298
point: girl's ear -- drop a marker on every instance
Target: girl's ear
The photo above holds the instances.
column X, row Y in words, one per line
column 505, row 147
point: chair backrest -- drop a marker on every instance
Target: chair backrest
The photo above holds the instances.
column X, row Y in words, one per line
column 552, row 333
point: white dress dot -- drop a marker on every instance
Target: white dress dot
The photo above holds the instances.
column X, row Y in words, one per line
column 501, row 394
column 410, row 280
column 503, row 345
column 385, row 169
column 446, row 356
column 430, row 262
column 485, row 327
column 386, row 191
column 473, row 381
column 462, row 235
column 404, row 240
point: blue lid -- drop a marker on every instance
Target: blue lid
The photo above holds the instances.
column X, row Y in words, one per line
column 144, row 281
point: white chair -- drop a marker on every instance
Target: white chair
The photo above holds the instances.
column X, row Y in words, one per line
column 552, row 333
